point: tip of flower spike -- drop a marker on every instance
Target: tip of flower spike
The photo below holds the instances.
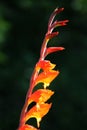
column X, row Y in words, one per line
column 55, row 12
column 58, row 10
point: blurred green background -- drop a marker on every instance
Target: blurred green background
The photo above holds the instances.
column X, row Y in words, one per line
column 23, row 24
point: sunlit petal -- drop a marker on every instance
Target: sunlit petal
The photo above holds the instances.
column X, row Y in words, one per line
column 40, row 96
column 38, row 111
column 46, row 77
column 45, row 65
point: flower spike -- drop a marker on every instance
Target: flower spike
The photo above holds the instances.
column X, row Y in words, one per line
column 44, row 72
column 55, row 12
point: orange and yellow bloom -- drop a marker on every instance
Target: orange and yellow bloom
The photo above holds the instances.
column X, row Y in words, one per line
column 44, row 72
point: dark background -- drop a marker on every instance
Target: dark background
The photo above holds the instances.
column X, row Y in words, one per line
column 23, row 24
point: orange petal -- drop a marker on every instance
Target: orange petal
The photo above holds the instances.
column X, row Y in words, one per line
column 55, row 12
column 53, row 49
column 27, row 127
column 46, row 77
column 40, row 96
column 38, row 111
column 45, row 65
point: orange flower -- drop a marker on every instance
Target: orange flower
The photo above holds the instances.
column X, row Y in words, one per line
column 46, row 77
column 45, row 65
column 38, row 111
column 40, row 96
